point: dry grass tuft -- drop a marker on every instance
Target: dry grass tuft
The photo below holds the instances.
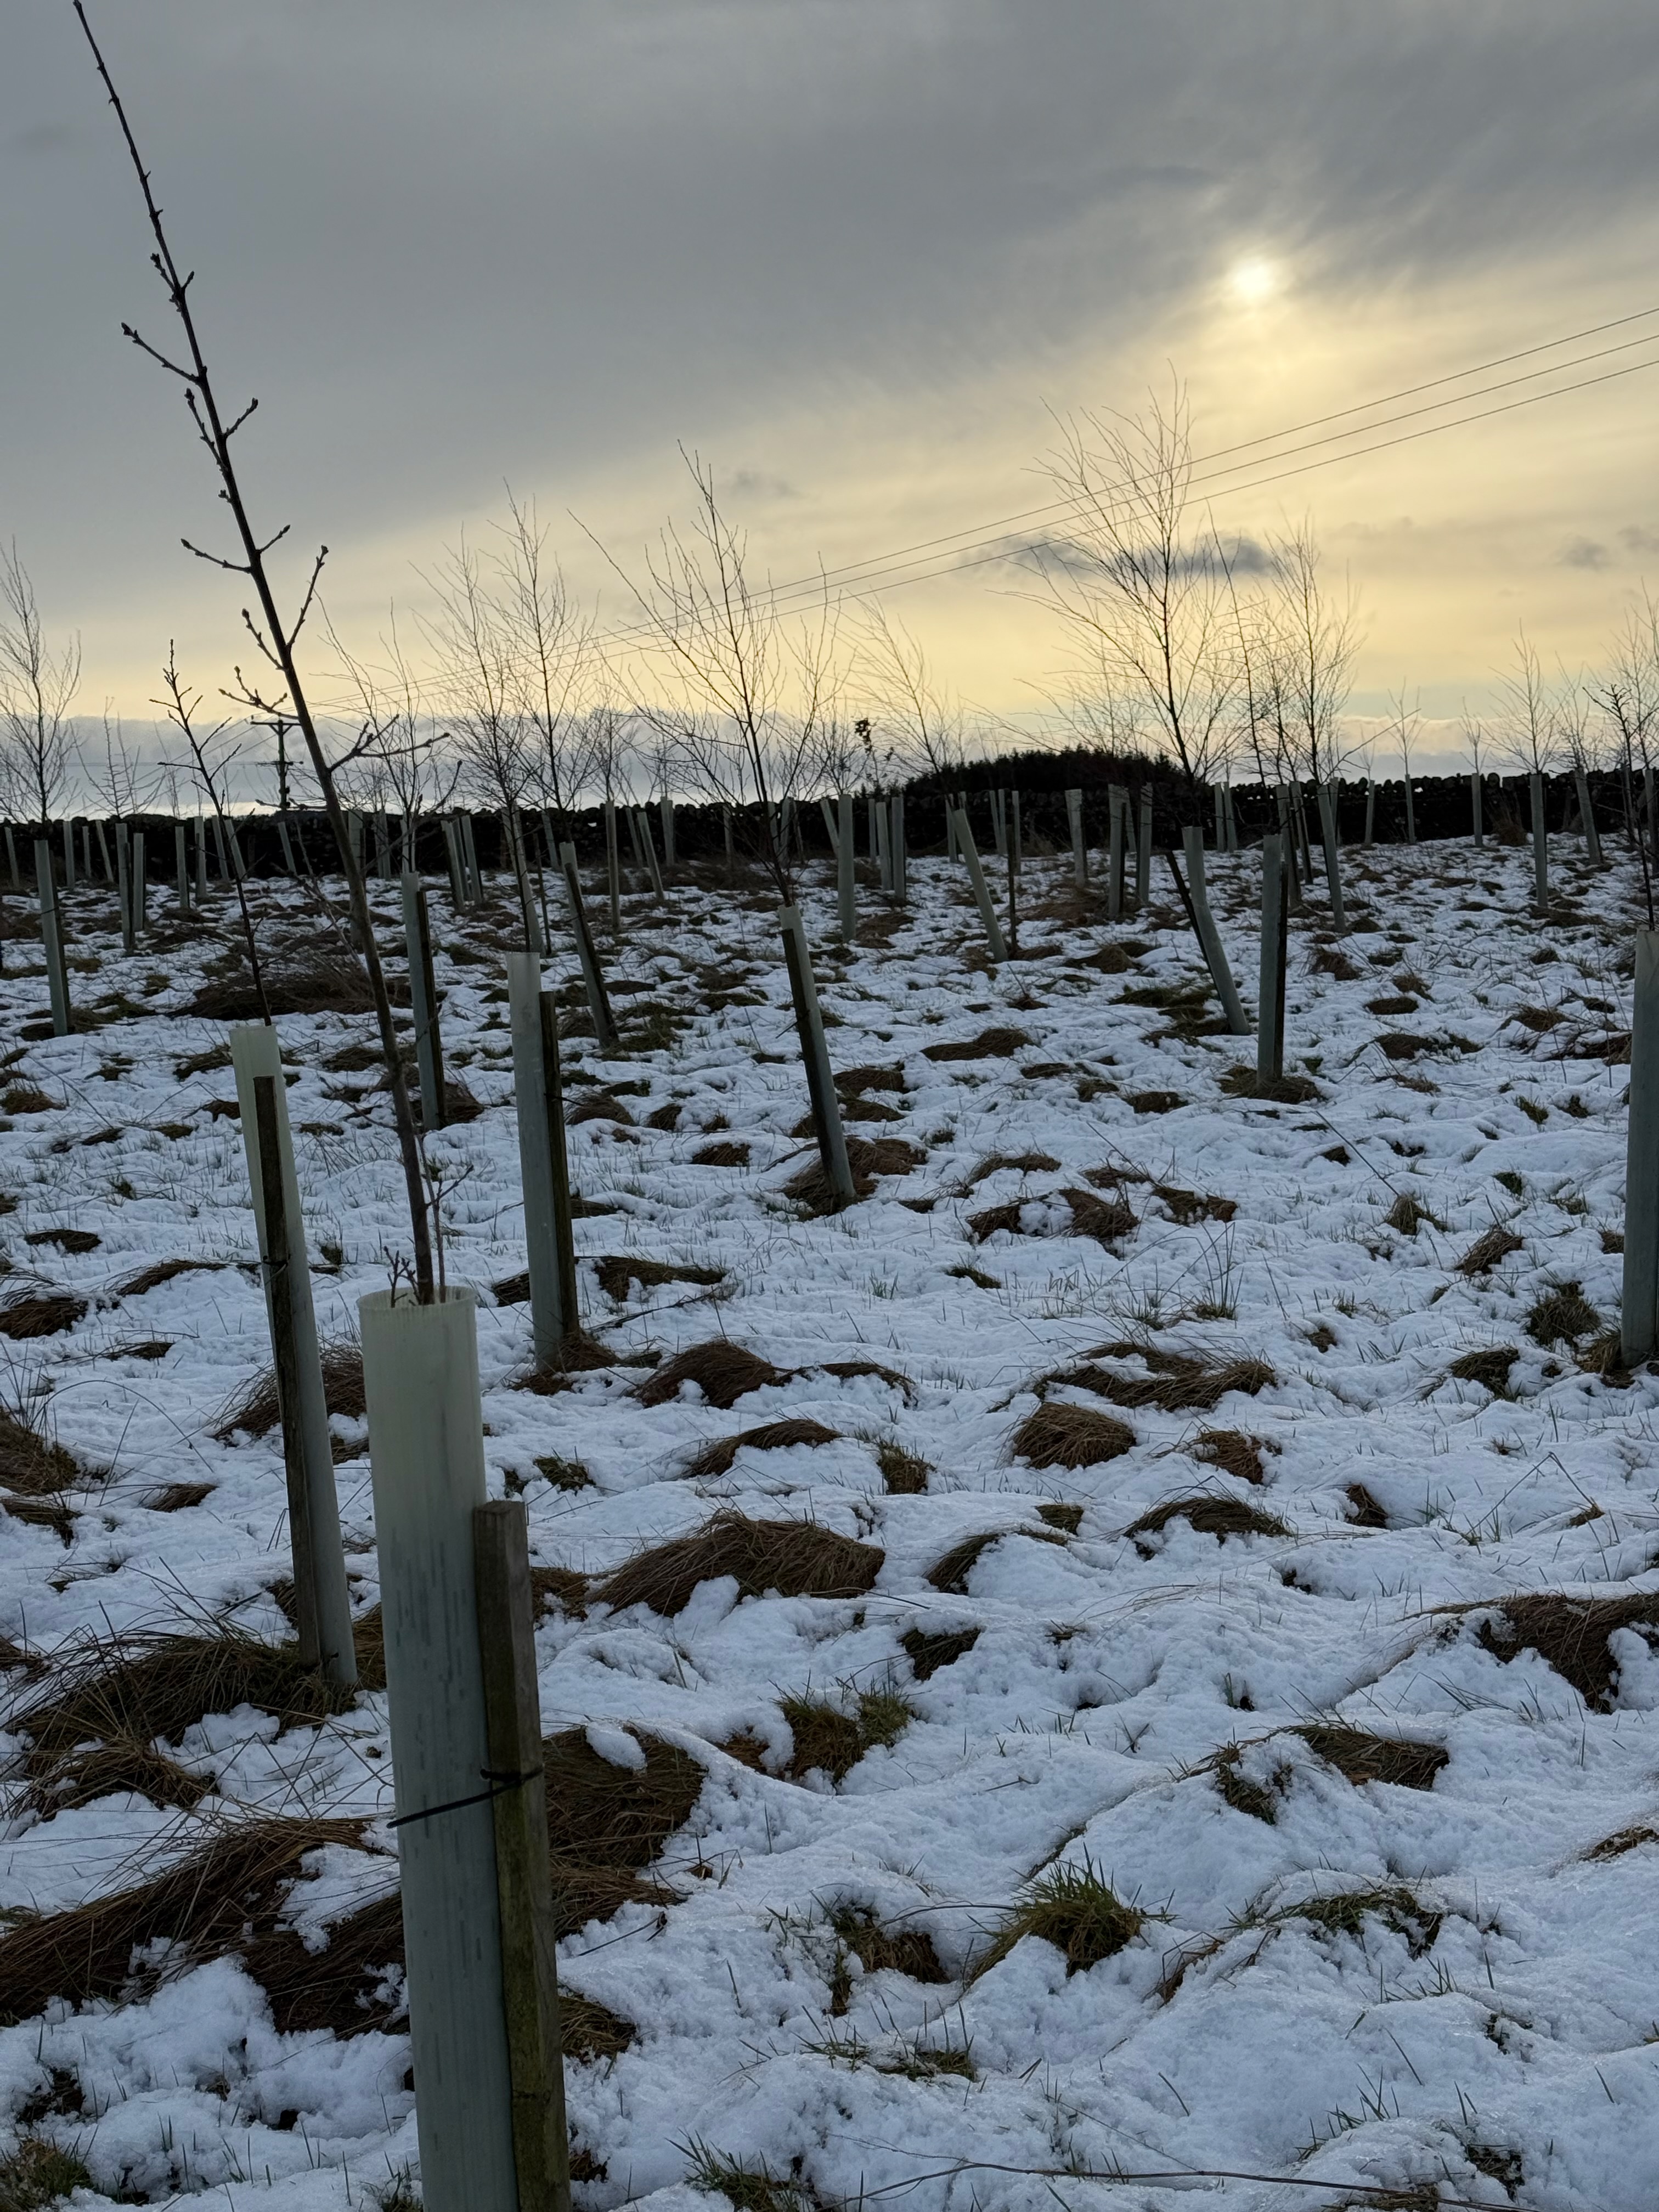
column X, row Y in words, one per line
column 950, row 1572
column 161, row 1271
column 1364, row 1510
column 1562, row 1315
column 597, row 1106
column 1185, row 1208
column 795, row 1558
column 1407, row 1214
column 829, row 1739
column 143, row 1690
column 716, row 1458
column 1569, row 1634
column 562, row 1587
column 910, row 1952
column 1399, row 1004
column 30, row 1465
column 576, row 1354
column 1492, row 1245
column 1490, row 1368
column 1108, row 1220
column 1016, row 1163
column 323, row 983
column 75, row 1242
column 989, row 1044
column 724, row 1152
column 1359, row 1757
column 1069, row 1437
column 722, row 1371
column 254, row 1410
column 1180, row 1382
column 1347, row 1913
column 904, row 1474
column 1244, row 1796
column 1241, row 1082
column 1233, row 1452
column 27, row 1098
column 1216, row 1517
column 1626, row 1839
column 38, row 2173
column 1074, row 1908
column 928, row 1650
column 121, row 1766
column 28, row 1314
column 853, row 1082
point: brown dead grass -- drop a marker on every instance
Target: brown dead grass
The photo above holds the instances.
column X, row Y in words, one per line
column 28, row 1315
column 1570, row 1633
column 1489, row 1367
column 1216, row 1517
column 254, row 1410
column 162, row 1270
column 1359, row 1757
column 619, row 1270
column 716, row 1458
column 1492, row 1245
column 576, row 1354
column 1186, row 1206
column 124, row 1766
column 1241, row 1082
column 904, row 1474
column 724, row 1152
column 1234, row 1452
column 31, row 1466
column 1069, row 1437
column 1364, row 1510
column 950, row 1571
column 928, row 1650
column 322, row 983
column 989, row 1044
column 722, row 1371
column 1001, row 1163
column 1180, row 1382
column 793, row 1559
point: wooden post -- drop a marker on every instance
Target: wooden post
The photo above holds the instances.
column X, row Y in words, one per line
column 1476, row 822
column 832, row 827
column 1371, row 812
column 523, row 1877
column 181, row 865
column 353, row 837
column 543, row 1168
column 815, row 1053
column 1411, row 813
column 426, row 1456
column 1329, row 846
column 453, row 858
column 847, row 904
column 987, row 912
column 613, row 864
column 1143, row 850
column 1117, row 800
column 469, row 837
column 1079, row 849
column 11, row 858
column 1638, row 1322
column 1209, row 937
column 901, row 857
column 254, row 1052
column 123, row 884
column 201, row 862
column 881, row 845
column 423, row 1001
column 1540, row 858
column 139, row 886
column 598, row 998
column 1587, row 816
column 69, row 855
column 667, row 810
column 276, row 1276
column 1016, row 835
column 726, row 831
column 648, row 847
column 1275, row 946
column 1231, row 819
column 52, row 939
column 999, row 825
column 382, row 845
column 1220, row 826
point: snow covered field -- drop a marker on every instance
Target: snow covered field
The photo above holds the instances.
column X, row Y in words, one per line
column 1347, row 1871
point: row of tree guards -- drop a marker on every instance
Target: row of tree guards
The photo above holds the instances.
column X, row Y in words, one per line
column 464, row 1721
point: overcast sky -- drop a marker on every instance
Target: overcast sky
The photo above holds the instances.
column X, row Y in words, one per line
column 856, row 252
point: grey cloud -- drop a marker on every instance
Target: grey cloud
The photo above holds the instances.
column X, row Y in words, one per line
column 1635, row 539
column 447, row 244
column 1583, row 553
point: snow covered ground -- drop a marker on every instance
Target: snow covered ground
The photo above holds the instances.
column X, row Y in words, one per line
column 1154, row 1738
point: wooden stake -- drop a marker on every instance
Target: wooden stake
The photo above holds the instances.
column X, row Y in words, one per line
column 831, row 827
column 524, row 1876
column 181, row 863
column 1209, row 937
column 1371, row 812
column 613, row 865
column 815, row 1053
column 599, row 998
column 846, row 906
column 140, row 886
column 1143, row 851
column 1329, row 846
column 52, row 939
column 69, row 856
column 423, row 1001
column 1079, row 850
column 1476, row 824
column 1275, row 947
column 1117, row 800
column 543, row 1166
column 901, row 857
column 667, row 810
column 987, row 914
column 1638, row 1322
column 124, row 884
column 274, row 1254
column 254, row 1054
column 1540, row 858
column 1587, row 816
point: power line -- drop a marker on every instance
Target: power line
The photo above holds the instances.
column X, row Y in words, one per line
column 858, row 579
